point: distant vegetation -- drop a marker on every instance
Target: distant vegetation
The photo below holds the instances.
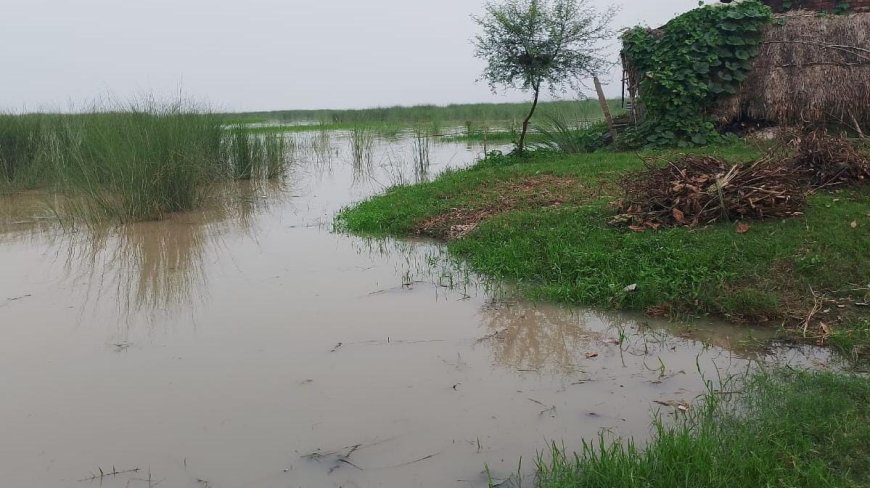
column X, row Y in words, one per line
column 481, row 123
column 476, row 115
column 138, row 163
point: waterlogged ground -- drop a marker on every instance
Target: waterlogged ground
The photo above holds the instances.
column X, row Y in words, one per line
column 247, row 345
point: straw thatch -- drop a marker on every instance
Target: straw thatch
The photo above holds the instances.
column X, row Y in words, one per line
column 812, row 70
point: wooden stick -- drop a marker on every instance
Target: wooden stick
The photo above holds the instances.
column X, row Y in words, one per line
column 604, row 108
column 857, row 125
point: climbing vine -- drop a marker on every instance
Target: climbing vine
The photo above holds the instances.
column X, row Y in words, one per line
column 685, row 68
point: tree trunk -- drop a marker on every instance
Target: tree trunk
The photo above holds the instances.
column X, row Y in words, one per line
column 521, row 145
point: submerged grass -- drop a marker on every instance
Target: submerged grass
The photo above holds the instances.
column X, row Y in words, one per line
column 561, row 247
column 254, row 156
column 422, row 147
column 783, row 429
column 134, row 163
column 362, row 144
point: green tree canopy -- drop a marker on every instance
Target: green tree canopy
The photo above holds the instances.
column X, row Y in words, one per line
column 532, row 44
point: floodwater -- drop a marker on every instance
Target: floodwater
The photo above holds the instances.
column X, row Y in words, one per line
column 248, row 345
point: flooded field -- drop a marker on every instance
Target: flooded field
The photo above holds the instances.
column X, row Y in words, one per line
column 249, row 345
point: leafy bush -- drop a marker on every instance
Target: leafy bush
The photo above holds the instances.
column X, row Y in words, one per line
column 688, row 66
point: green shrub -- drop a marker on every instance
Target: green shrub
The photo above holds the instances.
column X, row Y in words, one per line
column 689, row 65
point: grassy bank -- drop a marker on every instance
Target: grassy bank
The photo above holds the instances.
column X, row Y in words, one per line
column 131, row 164
column 782, row 429
column 542, row 223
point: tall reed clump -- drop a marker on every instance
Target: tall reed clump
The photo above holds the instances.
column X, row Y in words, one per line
column 136, row 165
column 362, row 146
column 136, row 162
column 560, row 133
column 276, row 155
column 21, row 150
column 255, row 156
column 362, row 143
column 240, row 153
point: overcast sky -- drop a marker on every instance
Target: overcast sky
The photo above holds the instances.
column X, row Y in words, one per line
column 255, row 54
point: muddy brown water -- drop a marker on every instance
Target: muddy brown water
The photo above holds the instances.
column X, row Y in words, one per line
column 248, row 345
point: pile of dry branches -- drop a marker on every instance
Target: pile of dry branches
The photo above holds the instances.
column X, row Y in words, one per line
column 825, row 161
column 700, row 190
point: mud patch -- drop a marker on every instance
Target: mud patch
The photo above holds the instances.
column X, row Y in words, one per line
column 532, row 192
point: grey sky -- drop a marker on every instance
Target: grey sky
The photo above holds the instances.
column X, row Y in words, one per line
column 255, row 54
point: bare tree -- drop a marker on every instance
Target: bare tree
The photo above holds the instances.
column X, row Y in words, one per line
column 530, row 44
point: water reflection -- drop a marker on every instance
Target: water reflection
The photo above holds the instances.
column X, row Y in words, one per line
column 144, row 267
column 379, row 159
column 552, row 339
column 24, row 214
column 560, row 340
column 537, row 338
column 320, row 145
column 362, row 142
column 424, row 263
column 422, row 160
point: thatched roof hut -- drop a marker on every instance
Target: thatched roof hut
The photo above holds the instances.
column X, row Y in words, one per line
column 812, row 69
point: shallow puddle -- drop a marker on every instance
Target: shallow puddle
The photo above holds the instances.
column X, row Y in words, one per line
column 247, row 345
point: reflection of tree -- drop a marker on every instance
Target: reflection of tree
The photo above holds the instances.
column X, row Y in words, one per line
column 537, row 337
column 549, row 338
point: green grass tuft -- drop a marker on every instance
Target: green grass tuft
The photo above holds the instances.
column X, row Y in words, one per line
column 785, row 429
